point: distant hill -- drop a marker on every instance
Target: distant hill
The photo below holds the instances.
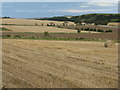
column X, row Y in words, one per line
column 101, row 19
column 61, row 18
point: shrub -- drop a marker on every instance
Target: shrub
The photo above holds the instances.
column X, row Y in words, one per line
column 76, row 28
column 94, row 29
column 48, row 25
column 78, row 31
column 59, row 27
column 17, row 36
column 109, row 30
column 86, row 29
column 8, row 36
column 42, row 24
column 91, row 29
column 46, row 34
column 81, row 28
column 99, row 30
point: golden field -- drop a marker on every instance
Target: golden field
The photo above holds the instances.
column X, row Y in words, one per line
column 58, row 64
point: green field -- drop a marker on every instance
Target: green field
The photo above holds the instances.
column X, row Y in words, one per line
column 4, row 29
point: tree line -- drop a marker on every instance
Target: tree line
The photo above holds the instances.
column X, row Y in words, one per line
column 97, row 19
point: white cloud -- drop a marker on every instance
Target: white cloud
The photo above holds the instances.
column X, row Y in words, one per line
column 103, row 1
column 104, row 4
column 68, row 11
column 81, row 11
column 60, row 0
column 84, row 6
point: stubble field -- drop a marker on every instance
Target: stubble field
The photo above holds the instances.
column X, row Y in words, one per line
column 29, row 25
column 61, row 64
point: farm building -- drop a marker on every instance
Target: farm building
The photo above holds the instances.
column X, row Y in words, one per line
column 87, row 23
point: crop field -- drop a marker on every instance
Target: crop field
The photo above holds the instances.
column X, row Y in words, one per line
column 58, row 64
column 30, row 22
column 40, row 56
column 29, row 25
column 38, row 29
column 23, row 26
column 41, row 29
column 65, row 36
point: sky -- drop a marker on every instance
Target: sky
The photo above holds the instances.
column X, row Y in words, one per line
column 60, row 0
column 37, row 9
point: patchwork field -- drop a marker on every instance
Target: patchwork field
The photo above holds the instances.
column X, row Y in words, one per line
column 30, row 22
column 61, row 64
column 29, row 25
column 42, row 29
column 38, row 29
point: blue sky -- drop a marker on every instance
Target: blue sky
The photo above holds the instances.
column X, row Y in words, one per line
column 50, row 9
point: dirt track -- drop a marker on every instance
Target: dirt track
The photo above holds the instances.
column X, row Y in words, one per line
column 48, row 64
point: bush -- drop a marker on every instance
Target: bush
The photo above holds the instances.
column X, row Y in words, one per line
column 99, row 30
column 59, row 27
column 86, row 29
column 17, row 36
column 91, row 29
column 109, row 30
column 46, row 34
column 106, row 31
column 81, row 28
column 76, row 28
column 8, row 36
column 94, row 29
column 48, row 25
column 78, row 31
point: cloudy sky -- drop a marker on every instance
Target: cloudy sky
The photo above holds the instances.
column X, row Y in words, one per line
column 60, row 0
column 48, row 9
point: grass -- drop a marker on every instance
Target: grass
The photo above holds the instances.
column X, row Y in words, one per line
column 4, row 29
column 47, row 38
column 51, row 38
column 87, row 31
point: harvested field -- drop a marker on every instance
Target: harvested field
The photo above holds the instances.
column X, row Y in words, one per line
column 30, row 22
column 90, row 36
column 61, row 64
column 38, row 29
column 41, row 29
column 102, row 27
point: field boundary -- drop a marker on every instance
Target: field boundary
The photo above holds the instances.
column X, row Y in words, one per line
column 61, row 36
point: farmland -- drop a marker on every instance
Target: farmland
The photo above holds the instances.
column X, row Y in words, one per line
column 39, row 56
column 61, row 64
column 29, row 22
column 23, row 26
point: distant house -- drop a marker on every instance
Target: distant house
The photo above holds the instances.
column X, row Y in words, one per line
column 65, row 23
column 113, row 24
column 87, row 23
column 51, row 24
column 92, row 23
column 84, row 23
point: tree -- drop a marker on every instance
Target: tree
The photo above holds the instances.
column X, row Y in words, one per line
column 78, row 30
column 46, row 34
column 36, row 24
column 42, row 24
